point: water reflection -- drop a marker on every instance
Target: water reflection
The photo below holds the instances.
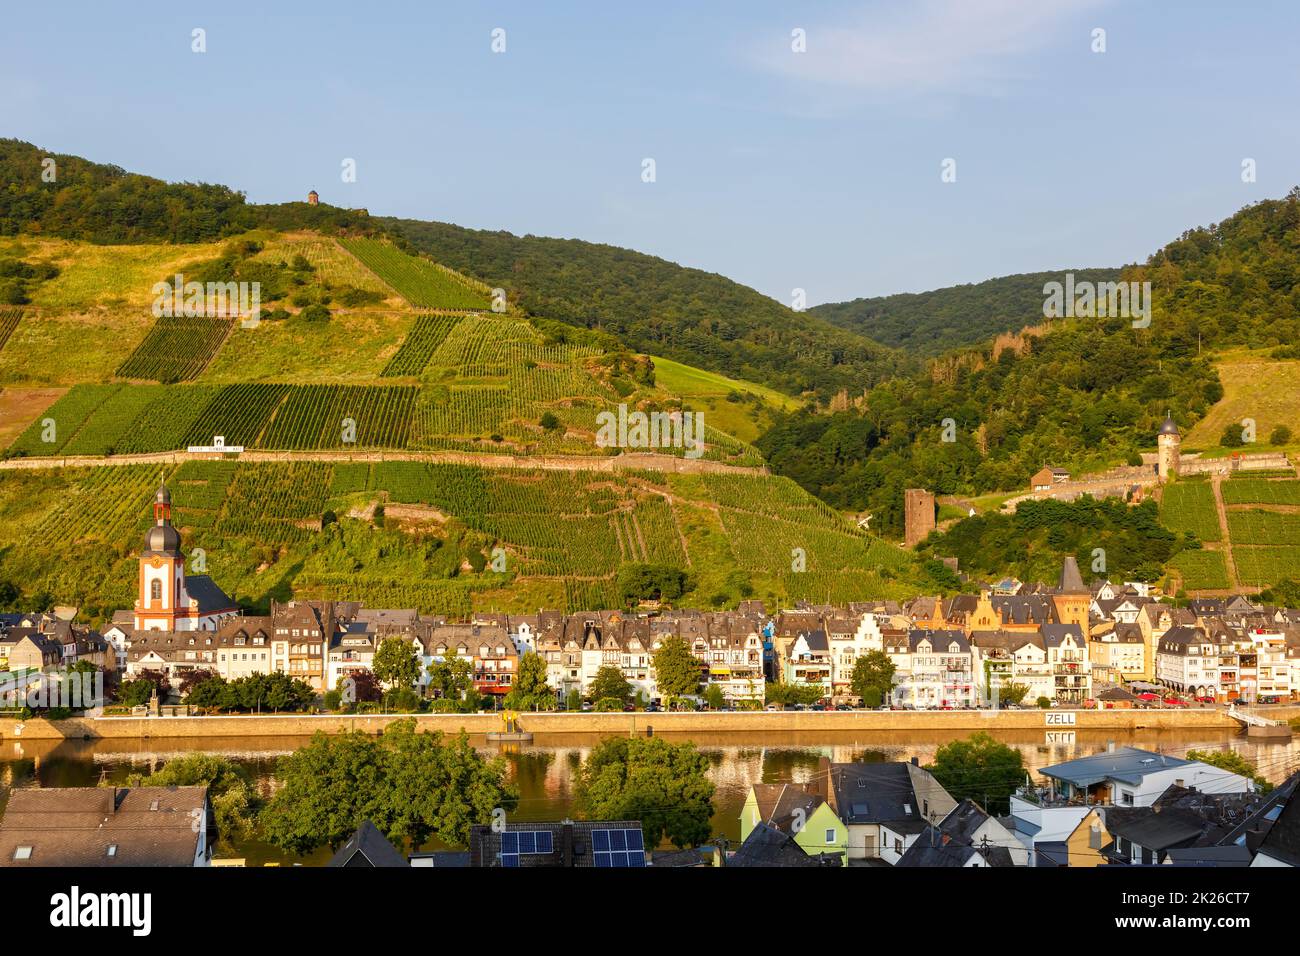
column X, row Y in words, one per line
column 544, row 770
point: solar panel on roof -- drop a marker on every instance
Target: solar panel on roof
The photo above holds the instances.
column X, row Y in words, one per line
column 510, row 842
column 618, row 848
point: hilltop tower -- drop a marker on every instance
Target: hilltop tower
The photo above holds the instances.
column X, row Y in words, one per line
column 1167, row 444
column 313, row 199
column 918, row 515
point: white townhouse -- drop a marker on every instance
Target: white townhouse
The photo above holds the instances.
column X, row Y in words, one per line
column 1187, row 660
column 851, row 638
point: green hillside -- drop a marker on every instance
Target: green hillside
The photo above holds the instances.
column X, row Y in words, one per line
column 931, row 323
column 564, row 535
column 1085, row 394
column 656, row 306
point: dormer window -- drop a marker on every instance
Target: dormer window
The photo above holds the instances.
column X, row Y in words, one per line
column 22, row 853
column 112, row 850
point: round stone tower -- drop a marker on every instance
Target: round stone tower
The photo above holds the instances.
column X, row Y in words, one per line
column 1167, row 443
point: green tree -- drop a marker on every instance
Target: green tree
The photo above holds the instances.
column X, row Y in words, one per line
column 1232, row 762
column 665, row 786
column 979, row 768
column 714, row 697
column 573, row 701
column 396, row 663
column 873, row 670
column 609, row 682
column 413, row 785
column 1012, row 693
column 677, row 669
column 230, row 789
column 452, row 677
column 1281, row 435
column 531, row 689
column 783, row 694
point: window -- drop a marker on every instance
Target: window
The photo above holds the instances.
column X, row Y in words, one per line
column 22, row 853
column 830, row 837
column 112, row 849
column 155, row 590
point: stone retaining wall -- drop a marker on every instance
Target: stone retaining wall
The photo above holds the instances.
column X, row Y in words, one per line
column 298, row 725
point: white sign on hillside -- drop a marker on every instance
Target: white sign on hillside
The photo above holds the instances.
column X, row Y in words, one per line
column 218, row 446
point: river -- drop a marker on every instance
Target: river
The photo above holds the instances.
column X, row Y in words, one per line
column 544, row 770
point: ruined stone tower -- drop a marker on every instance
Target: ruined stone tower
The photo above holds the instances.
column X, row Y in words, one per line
column 918, row 515
column 1167, row 444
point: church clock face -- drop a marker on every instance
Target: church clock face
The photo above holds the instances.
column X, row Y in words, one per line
column 155, row 562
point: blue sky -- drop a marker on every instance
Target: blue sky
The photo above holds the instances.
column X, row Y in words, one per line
column 818, row 170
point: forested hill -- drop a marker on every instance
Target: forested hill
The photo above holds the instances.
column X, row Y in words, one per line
column 1086, row 394
column 659, row 307
column 94, row 202
column 931, row 323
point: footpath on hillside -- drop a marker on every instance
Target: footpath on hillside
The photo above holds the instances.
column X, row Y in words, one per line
column 625, row 462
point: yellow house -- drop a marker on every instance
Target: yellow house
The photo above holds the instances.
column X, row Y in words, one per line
column 1081, row 848
column 791, row 809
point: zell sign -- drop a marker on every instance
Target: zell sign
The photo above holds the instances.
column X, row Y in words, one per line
column 1063, row 718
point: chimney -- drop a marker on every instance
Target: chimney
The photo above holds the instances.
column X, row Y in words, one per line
column 916, row 761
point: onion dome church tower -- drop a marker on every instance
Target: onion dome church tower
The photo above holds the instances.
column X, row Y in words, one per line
column 168, row 600
column 1167, row 444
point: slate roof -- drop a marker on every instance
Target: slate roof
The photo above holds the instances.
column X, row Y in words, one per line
column 1126, row 764
column 778, row 803
column 367, row 848
column 934, row 848
column 210, row 598
column 768, row 847
column 1071, row 580
column 1282, row 842
column 76, row 826
column 865, row 793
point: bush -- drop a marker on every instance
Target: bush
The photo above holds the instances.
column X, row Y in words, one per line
column 315, row 313
column 606, row 704
column 1280, row 436
column 1044, row 702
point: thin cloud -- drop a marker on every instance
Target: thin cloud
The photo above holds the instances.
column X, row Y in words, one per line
column 950, row 46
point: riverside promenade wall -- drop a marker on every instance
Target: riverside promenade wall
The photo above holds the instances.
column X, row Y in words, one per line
column 775, row 722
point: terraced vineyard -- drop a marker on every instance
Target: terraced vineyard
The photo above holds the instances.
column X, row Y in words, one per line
column 1202, row 570
column 1260, row 491
column 338, row 416
column 8, row 322
column 331, row 263
column 1261, row 567
column 428, row 332
column 1260, row 527
column 565, row 534
column 424, row 284
column 1190, row 506
column 177, row 348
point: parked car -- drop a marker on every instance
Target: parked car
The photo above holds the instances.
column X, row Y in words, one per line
column 843, row 707
column 652, row 708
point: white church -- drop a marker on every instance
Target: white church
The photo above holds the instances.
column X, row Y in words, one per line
column 169, row 599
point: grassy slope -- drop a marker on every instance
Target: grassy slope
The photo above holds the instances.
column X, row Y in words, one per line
column 708, row 392
column 1254, row 386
